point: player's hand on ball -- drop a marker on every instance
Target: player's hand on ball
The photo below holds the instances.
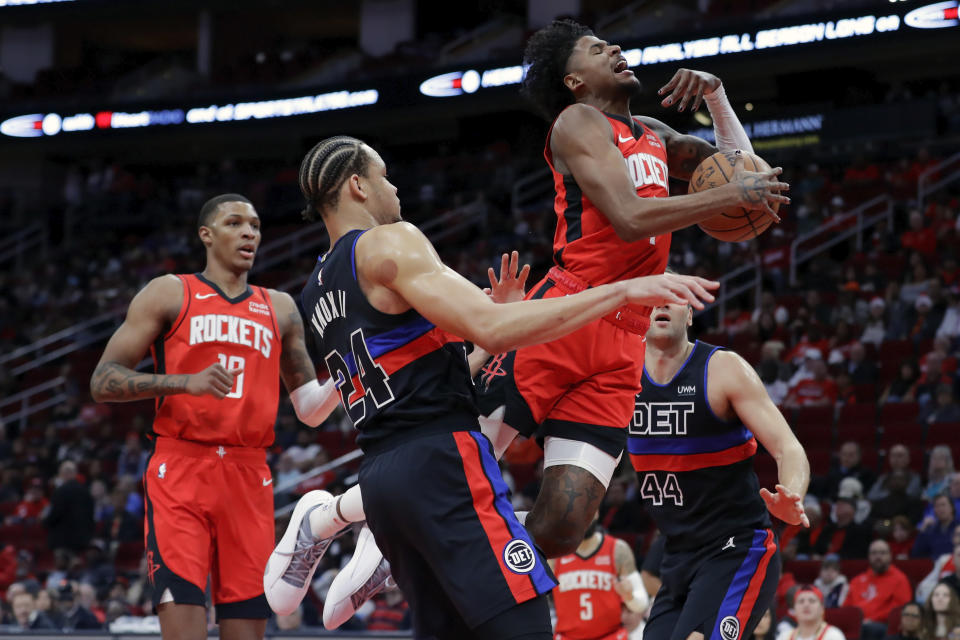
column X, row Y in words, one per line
column 687, row 84
column 759, row 190
column 670, row 288
column 786, row 505
column 215, row 380
column 510, row 287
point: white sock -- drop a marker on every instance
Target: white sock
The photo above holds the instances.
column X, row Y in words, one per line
column 343, row 510
column 498, row 432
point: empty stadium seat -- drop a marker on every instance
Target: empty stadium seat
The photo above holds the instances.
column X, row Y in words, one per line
column 857, row 413
column 942, row 433
column 898, row 412
column 847, row 619
column 916, row 569
column 903, row 433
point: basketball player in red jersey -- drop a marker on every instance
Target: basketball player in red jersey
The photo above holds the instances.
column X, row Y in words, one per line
column 595, row 583
column 219, row 347
column 614, row 218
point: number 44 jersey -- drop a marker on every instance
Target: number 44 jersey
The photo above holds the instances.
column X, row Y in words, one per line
column 695, row 469
column 394, row 372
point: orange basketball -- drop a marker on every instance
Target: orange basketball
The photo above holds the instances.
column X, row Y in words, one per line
column 739, row 224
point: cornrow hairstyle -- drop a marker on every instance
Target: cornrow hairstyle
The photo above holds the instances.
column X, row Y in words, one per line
column 324, row 170
column 209, row 208
column 545, row 60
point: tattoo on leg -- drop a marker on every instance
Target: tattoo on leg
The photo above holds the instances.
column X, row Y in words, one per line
column 569, row 497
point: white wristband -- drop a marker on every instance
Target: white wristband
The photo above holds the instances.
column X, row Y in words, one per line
column 314, row 402
column 640, row 598
column 726, row 126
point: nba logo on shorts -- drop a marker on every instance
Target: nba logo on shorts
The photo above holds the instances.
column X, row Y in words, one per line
column 730, row 628
column 518, row 556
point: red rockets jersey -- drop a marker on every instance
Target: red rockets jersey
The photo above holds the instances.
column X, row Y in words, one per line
column 585, row 242
column 236, row 332
column 587, row 604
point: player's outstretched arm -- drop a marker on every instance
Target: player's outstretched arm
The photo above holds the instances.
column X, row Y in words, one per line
column 312, row 401
column 687, row 85
column 399, row 257
column 154, row 308
column 748, row 398
column 582, row 143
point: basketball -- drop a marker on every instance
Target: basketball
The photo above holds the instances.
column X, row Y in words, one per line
column 739, row 224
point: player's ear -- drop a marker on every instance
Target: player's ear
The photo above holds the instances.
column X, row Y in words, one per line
column 357, row 188
column 206, row 235
column 689, row 315
column 572, row 82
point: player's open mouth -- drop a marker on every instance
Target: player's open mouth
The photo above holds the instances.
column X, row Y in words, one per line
column 621, row 67
column 662, row 317
column 247, row 252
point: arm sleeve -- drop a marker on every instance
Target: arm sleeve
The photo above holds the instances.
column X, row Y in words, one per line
column 726, row 126
column 314, row 402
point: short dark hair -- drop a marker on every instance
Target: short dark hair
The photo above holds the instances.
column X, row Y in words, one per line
column 324, row 170
column 209, row 208
column 545, row 60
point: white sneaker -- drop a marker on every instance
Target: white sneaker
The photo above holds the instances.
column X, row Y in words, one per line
column 366, row 575
column 292, row 563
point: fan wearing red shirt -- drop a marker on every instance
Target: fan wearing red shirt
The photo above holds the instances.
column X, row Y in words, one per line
column 816, row 391
column 879, row 590
column 919, row 238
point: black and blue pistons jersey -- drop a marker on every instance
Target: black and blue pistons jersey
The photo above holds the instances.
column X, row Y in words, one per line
column 394, row 372
column 695, row 470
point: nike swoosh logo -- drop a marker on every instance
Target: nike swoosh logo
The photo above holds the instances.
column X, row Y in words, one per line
column 204, row 296
column 267, row 482
column 622, row 139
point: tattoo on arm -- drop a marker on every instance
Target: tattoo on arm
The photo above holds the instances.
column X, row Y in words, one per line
column 296, row 367
column 685, row 153
column 114, row 382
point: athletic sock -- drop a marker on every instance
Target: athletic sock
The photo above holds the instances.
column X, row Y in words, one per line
column 340, row 512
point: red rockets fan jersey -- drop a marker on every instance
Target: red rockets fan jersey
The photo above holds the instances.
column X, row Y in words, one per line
column 236, row 332
column 585, row 242
column 587, row 604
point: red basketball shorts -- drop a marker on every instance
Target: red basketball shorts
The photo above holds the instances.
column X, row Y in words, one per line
column 580, row 387
column 209, row 513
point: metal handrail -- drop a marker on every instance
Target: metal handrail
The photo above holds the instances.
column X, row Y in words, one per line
column 533, row 186
column 728, row 290
column 24, row 398
column 923, row 191
column 16, row 246
column 306, row 475
column 798, row 256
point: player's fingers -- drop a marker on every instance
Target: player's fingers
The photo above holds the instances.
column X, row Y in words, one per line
column 774, row 172
column 698, row 100
column 688, row 92
column 679, row 91
column 805, row 520
column 780, row 186
column 218, row 394
column 492, row 275
column 235, row 371
column 770, row 212
column 221, row 376
column 700, row 291
column 691, row 297
column 738, row 163
column 524, row 273
column 514, row 263
column 765, row 494
column 671, row 84
column 779, row 198
column 705, row 283
column 504, row 265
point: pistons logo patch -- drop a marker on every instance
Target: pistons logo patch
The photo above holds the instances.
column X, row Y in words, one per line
column 519, row 557
column 730, row 628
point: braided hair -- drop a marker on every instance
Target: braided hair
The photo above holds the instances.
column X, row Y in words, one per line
column 545, row 60
column 324, row 170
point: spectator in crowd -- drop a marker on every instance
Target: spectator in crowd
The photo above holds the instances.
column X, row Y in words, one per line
column 133, row 459
column 943, row 409
column 936, row 532
column 847, row 465
column 807, row 538
column 808, row 611
column 27, row 615
column 31, row 508
column 875, row 328
column 861, row 370
column 930, row 379
column 832, row 583
column 950, row 325
column 897, row 501
column 952, row 491
column 903, row 535
column 844, row 537
column 911, row 616
column 70, row 519
column 618, row 514
column 953, row 578
column 391, row 613
column 818, row 390
column 72, row 614
column 765, row 629
column 901, row 388
column 898, row 457
column 941, row 613
column 772, row 371
column 925, row 321
column 942, row 567
column 850, row 487
column 919, row 238
column 939, row 471
column 879, row 590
